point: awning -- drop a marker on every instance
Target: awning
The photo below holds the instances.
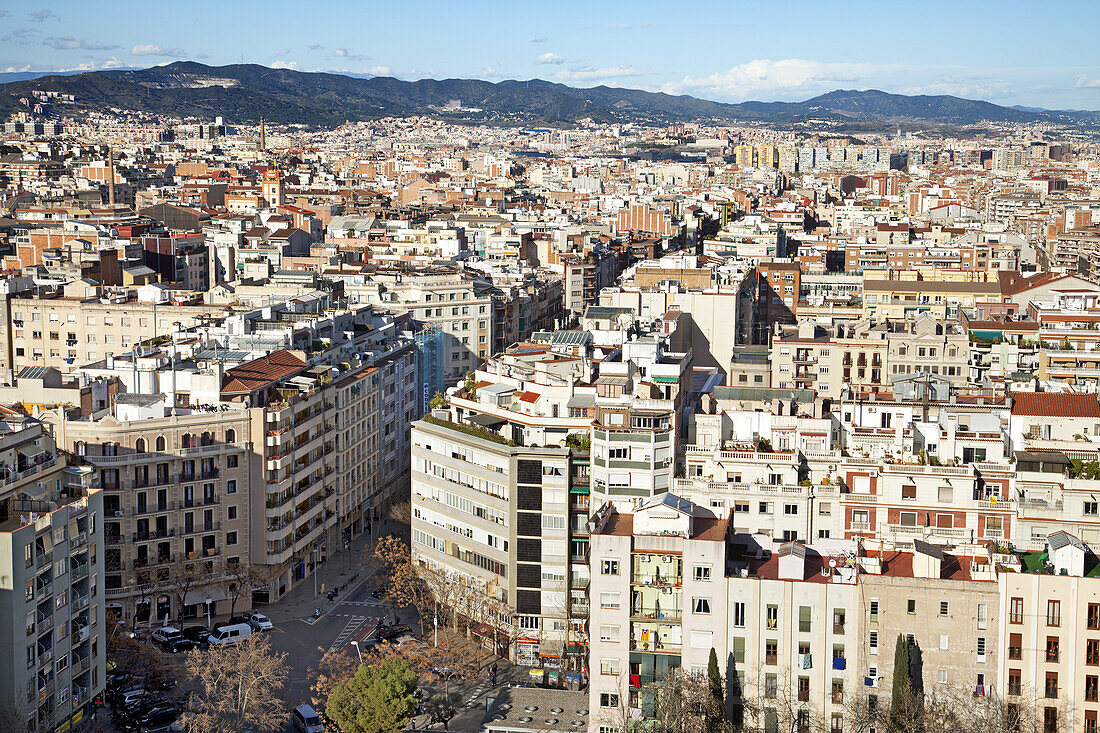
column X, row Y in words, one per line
column 486, row 421
column 579, row 489
column 482, row 630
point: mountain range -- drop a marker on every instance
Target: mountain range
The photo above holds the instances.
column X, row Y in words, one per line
column 247, row 92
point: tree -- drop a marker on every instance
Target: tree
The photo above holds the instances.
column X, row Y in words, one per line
column 716, row 707
column 238, row 580
column 334, row 669
column 183, row 578
column 902, row 698
column 442, row 707
column 377, row 699
column 139, row 660
column 238, row 686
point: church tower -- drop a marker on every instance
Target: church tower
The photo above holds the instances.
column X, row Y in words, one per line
column 272, row 188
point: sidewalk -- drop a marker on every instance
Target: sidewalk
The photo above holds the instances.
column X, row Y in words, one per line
column 336, row 571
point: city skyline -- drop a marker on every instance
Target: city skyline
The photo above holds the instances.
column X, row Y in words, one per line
column 738, row 52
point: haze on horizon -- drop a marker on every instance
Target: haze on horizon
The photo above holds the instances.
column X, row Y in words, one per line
column 1010, row 53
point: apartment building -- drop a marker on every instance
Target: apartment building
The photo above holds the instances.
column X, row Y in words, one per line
column 496, row 517
column 807, row 631
column 1049, row 623
column 51, row 555
column 177, row 493
column 457, row 306
column 82, row 323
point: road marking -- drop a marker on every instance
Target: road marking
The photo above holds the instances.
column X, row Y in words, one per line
column 350, row 628
column 374, row 604
column 275, row 629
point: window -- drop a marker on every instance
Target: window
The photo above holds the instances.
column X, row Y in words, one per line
column 1014, row 682
column 739, row 614
column 230, row 538
column 941, row 676
column 909, row 491
column 1052, row 648
column 609, row 700
column 790, row 510
column 701, row 639
column 1016, row 611
column 609, row 567
column 609, row 633
column 804, row 615
column 824, row 509
column 944, row 607
column 873, row 607
column 741, row 507
column 700, row 605
column 872, row 642
column 771, row 652
column 944, row 639
column 1092, row 508
column 1054, row 613
column 911, row 606
column 702, row 572
column 231, row 512
column 609, row 600
column 1050, row 688
column 1015, row 646
column 1050, row 720
column 1092, row 652
column 609, row 667
column 1092, row 687
column 773, row 617
column 231, row 486
column 1094, row 616
column 982, row 616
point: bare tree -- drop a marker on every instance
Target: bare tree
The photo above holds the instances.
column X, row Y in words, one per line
column 238, row 686
column 145, row 584
column 239, row 579
column 134, row 658
column 182, row 579
column 334, row 669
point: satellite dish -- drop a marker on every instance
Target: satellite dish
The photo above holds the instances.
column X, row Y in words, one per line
column 832, row 562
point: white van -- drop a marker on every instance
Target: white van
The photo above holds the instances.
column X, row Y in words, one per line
column 230, row 634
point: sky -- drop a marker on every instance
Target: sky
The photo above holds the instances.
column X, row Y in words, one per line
column 1008, row 52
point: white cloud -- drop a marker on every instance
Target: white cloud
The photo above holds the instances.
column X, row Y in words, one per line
column 1083, row 82
column 17, row 69
column 315, row 46
column 346, row 54
column 280, row 64
column 591, row 73
column 770, row 78
column 549, row 58
column 380, row 71
column 68, row 43
column 40, row 15
column 539, row 39
column 282, row 53
column 153, row 49
column 4, row 13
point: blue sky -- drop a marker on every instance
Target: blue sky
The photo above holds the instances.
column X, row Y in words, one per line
column 1008, row 52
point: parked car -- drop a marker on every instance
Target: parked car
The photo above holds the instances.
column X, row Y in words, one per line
column 158, row 719
column 197, row 634
column 164, row 633
column 230, row 634
column 260, row 622
column 123, row 688
column 233, row 620
column 307, row 720
column 131, row 695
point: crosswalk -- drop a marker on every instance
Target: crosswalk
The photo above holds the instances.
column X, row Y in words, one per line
column 477, row 693
column 372, row 604
column 349, row 630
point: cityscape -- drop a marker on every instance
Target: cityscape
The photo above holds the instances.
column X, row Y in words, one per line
column 595, row 369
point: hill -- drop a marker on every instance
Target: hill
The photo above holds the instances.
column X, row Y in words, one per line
column 247, row 92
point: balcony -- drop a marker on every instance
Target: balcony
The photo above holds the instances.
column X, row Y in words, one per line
column 672, row 581
column 669, row 614
column 655, row 646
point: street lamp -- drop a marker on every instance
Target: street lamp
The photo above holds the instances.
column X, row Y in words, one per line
column 312, row 554
column 355, row 644
column 209, row 600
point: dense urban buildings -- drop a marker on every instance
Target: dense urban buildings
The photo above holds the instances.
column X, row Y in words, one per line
column 642, row 392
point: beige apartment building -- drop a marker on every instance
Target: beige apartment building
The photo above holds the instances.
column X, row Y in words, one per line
column 458, row 307
column 70, row 330
column 177, row 499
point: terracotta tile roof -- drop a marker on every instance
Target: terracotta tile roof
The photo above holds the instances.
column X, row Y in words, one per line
column 529, row 397
column 260, row 372
column 1053, row 404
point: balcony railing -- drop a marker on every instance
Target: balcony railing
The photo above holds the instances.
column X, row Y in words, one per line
column 672, row 614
